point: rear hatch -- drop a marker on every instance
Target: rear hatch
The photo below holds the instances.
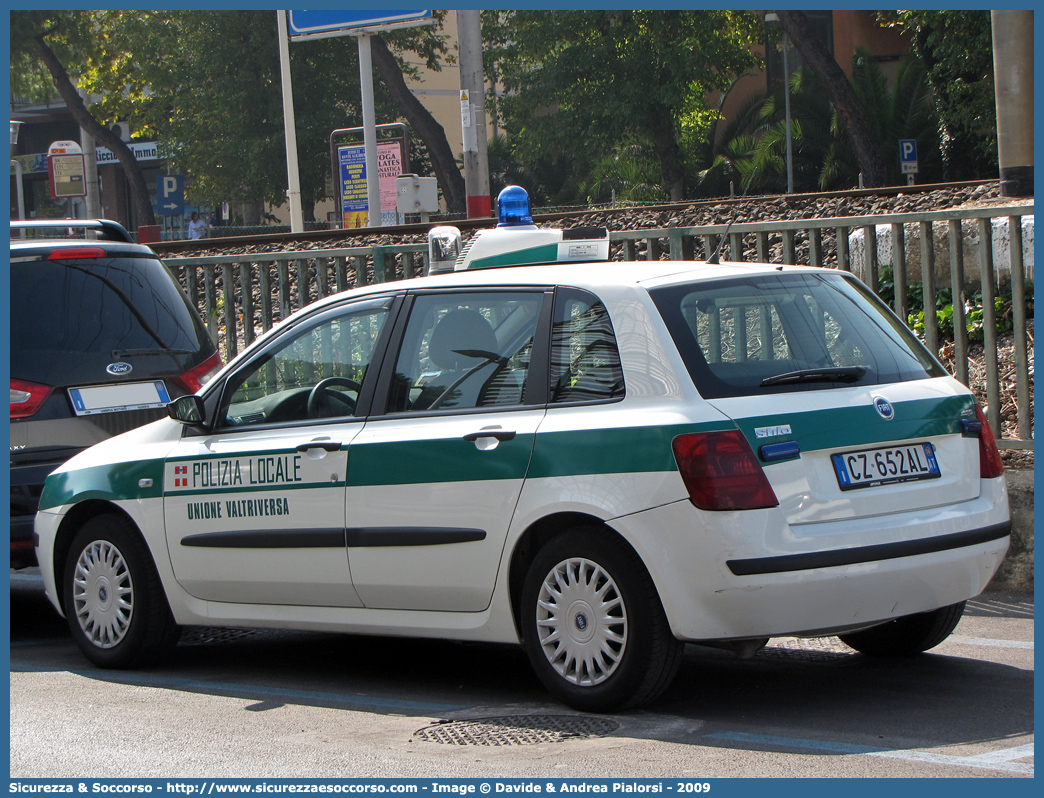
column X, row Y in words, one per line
column 848, row 413
column 101, row 334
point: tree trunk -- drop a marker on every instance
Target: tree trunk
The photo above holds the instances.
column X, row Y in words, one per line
column 431, row 132
column 661, row 135
column 841, row 94
column 99, row 132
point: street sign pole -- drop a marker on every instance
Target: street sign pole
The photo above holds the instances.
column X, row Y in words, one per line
column 369, row 118
column 293, row 172
column 361, row 24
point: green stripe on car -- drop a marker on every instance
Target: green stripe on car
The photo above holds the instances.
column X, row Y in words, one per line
column 136, row 479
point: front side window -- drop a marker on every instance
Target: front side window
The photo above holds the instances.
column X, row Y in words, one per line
column 316, row 374
column 769, row 334
column 585, row 361
column 465, row 350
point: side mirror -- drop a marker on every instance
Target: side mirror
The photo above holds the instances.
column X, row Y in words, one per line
column 187, row 410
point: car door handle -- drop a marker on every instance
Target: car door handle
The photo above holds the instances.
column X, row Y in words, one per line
column 499, row 434
column 329, row 446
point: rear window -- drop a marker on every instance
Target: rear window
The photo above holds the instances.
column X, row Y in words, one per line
column 70, row 319
column 780, row 333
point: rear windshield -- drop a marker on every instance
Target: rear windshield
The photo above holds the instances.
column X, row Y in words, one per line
column 70, row 319
column 789, row 332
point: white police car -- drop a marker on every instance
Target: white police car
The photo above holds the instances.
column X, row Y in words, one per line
column 599, row 460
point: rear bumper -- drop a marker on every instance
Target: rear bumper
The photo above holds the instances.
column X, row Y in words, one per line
column 750, row 574
column 26, row 485
column 864, row 554
column 23, row 550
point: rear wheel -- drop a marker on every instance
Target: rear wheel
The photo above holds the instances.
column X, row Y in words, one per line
column 593, row 625
column 906, row 636
column 114, row 601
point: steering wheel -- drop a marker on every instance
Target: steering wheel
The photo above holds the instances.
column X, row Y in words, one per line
column 319, row 405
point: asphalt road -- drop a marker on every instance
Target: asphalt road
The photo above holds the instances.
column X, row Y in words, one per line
column 264, row 704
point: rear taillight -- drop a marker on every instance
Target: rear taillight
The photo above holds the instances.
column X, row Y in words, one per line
column 720, row 472
column 990, row 464
column 198, row 376
column 26, row 397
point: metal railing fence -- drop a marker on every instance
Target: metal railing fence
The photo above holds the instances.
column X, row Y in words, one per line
column 241, row 296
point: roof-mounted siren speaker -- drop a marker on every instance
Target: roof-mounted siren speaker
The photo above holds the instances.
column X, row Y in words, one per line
column 122, row 129
column 444, row 246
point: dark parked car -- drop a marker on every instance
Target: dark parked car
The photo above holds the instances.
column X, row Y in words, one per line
column 102, row 337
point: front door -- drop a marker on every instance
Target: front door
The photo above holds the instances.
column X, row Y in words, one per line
column 254, row 510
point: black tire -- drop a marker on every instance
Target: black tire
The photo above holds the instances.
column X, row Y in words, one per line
column 113, row 599
column 639, row 655
column 906, row 636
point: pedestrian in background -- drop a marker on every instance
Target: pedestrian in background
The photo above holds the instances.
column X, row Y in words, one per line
column 197, row 227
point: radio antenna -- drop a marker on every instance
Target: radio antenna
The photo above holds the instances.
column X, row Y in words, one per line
column 715, row 259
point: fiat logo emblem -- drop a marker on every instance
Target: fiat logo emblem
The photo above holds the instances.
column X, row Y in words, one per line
column 116, row 369
column 884, row 408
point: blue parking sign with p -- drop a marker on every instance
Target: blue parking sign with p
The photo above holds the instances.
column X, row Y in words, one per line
column 170, row 195
column 908, row 155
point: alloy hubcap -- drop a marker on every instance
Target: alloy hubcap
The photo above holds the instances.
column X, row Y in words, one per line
column 581, row 621
column 103, row 594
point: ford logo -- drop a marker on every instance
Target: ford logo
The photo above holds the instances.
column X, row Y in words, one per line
column 884, row 408
column 116, row 369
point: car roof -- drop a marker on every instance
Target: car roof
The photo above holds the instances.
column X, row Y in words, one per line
column 591, row 276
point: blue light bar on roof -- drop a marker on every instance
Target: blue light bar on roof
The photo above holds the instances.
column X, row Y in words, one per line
column 513, row 207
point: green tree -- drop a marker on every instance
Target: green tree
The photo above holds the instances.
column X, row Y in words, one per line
column 210, row 91
column 956, row 49
column 841, row 93
column 751, row 146
column 580, row 84
column 393, row 70
column 206, row 84
column 902, row 111
column 47, row 51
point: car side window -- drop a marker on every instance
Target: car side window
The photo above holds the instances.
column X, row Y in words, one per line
column 316, row 374
column 465, row 350
column 585, row 361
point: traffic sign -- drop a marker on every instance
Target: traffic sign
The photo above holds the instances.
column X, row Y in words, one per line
column 332, row 23
column 908, row 156
column 170, row 195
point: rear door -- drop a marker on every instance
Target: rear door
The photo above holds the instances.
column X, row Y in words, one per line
column 433, row 483
column 846, row 410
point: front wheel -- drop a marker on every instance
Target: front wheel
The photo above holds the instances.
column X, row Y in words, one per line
column 114, row 601
column 593, row 626
column 906, row 636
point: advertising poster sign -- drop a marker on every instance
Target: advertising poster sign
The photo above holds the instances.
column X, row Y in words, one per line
column 352, row 163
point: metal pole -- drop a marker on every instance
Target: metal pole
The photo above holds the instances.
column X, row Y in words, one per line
column 18, row 187
column 90, row 161
column 290, row 129
column 373, row 186
column 473, row 113
column 786, row 102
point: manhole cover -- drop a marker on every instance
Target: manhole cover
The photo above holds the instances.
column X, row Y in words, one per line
column 201, row 635
column 517, row 730
column 809, row 649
